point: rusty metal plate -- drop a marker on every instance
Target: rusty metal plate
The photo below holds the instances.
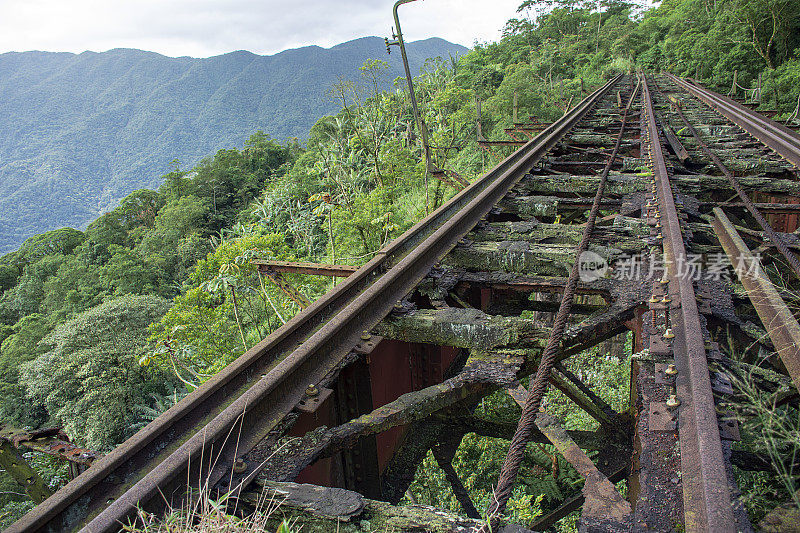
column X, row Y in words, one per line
column 659, row 289
column 660, row 376
column 729, row 427
column 659, row 347
column 659, row 418
column 703, row 300
column 713, row 353
column 721, row 383
column 366, row 345
column 311, row 404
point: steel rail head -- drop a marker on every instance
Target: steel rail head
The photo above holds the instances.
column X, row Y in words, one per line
column 776, row 136
column 706, row 495
column 198, row 439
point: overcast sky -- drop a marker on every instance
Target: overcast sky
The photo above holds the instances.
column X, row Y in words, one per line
column 202, row 28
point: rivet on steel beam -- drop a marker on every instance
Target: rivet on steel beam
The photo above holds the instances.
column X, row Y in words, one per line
column 366, row 336
column 312, row 390
column 240, row 466
column 669, row 334
column 653, row 299
column 666, row 299
column 673, row 402
column 671, row 370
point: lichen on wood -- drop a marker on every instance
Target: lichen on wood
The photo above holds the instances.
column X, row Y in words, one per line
column 522, row 257
column 585, row 185
column 313, row 509
column 461, row 328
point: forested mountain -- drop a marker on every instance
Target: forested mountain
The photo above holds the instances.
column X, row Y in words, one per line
column 162, row 291
column 82, row 131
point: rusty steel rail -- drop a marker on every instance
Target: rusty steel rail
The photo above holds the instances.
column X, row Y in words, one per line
column 773, row 134
column 781, row 325
column 706, row 496
column 199, row 439
column 749, row 204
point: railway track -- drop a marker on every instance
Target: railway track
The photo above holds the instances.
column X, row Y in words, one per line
column 391, row 363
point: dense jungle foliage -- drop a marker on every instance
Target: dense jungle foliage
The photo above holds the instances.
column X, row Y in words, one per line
column 103, row 329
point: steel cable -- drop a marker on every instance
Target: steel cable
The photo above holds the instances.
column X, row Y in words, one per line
column 513, row 460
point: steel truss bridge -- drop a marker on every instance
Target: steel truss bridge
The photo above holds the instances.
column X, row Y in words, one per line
column 343, row 402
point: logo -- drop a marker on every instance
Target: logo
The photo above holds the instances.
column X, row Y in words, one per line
column 591, row 266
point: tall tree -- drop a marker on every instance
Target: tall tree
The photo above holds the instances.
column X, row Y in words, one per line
column 90, row 379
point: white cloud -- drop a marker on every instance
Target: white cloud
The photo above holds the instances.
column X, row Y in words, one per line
column 203, row 28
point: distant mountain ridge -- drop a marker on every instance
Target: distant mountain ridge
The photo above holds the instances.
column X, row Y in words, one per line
column 80, row 131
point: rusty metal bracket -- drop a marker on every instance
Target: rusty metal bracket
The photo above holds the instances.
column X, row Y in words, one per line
column 728, row 427
column 51, row 441
column 713, row 353
column 302, row 267
column 287, row 288
column 721, row 383
column 18, row 468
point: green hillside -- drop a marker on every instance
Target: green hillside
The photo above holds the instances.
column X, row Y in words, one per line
column 82, row 131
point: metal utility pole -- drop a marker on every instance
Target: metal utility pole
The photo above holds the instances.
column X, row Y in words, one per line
column 398, row 40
